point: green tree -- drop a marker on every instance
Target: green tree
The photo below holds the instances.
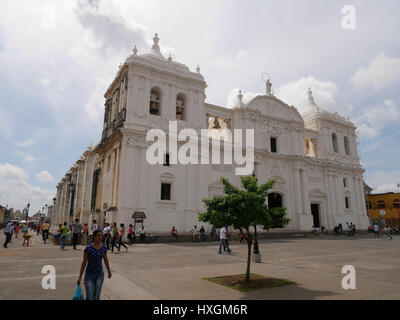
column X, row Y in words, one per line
column 244, row 208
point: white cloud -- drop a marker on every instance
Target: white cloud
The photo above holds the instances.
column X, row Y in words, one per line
column 9, row 172
column 24, row 156
column 29, row 158
column 326, row 95
column 384, row 181
column 228, row 62
column 44, row 176
column 44, row 82
column 105, row 20
column 16, row 192
column 26, row 143
column 375, row 119
column 381, row 72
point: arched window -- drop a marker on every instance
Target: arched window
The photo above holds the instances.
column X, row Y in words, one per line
column 155, row 99
column 180, row 106
column 396, row 203
column 334, row 143
column 380, row 204
column 346, row 145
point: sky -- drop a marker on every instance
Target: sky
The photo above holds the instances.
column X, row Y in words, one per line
column 57, row 58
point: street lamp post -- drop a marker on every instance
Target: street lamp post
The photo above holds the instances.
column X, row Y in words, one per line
column 256, row 251
column 5, row 214
column 54, row 209
column 27, row 211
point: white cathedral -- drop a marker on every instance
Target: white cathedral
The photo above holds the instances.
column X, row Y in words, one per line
column 312, row 156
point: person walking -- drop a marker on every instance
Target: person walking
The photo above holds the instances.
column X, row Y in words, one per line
column 8, row 233
column 76, row 228
column 25, row 229
column 94, row 226
column 174, row 233
column 376, row 230
column 58, row 235
column 85, row 233
column 213, row 233
column 114, row 237
column 38, row 229
column 45, row 231
column 63, row 237
column 194, row 233
column 142, row 234
column 122, row 237
column 222, row 240
column 202, row 234
column 130, row 233
column 388, row 230
column 17, row 228
column 241, row 237
column 92, row 265
column 106, row 236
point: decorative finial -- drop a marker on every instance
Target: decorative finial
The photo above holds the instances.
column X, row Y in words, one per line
column 135, row 51
column 240, row 96
column 311, row 101
column 198, row 69
column 268, row 85
column 156, row 39
column 155, row 49
column 169, row 58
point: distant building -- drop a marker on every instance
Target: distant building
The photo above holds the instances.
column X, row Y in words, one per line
column 16, row 215
column 384, row 208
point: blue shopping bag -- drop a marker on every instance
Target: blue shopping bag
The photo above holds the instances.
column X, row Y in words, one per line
column 78, row 295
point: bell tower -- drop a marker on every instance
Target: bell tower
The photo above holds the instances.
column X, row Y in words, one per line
column 160, row 89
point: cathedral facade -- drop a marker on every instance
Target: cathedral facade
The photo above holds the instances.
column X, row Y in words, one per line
column 312, row 156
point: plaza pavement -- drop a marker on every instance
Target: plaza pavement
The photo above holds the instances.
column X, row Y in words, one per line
column 175, row 270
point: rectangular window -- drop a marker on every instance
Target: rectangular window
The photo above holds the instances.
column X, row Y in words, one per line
column 165, row 191
column 347, row 201
column 166, row 160
column 345, row 182
column 273, row 145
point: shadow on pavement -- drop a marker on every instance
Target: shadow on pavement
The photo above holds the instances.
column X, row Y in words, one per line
column 290, row 292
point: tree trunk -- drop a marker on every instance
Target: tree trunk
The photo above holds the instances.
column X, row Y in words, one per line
column 249, row 243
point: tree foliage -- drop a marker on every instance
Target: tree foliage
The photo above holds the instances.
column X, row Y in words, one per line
column 244, row 207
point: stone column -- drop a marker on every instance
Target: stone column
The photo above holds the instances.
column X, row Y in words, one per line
column 297, row 192
column 306, row 201
column 84, row 189
column 329, row 211
column 332, row 195
column 146, row 97
column 142, row 178
column 339, row 196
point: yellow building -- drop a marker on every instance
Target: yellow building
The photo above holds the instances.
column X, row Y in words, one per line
column 384, row 206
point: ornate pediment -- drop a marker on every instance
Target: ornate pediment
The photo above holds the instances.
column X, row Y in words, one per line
column 317, row 193
column 274, row 107
column 167, row 177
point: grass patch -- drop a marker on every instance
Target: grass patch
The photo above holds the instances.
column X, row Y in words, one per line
column 256, row 282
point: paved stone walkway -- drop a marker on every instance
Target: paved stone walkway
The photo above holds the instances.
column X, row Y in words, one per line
column 175, row 270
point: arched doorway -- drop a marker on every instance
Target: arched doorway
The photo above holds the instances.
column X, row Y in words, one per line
column 315, row 214
column 275, row 201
